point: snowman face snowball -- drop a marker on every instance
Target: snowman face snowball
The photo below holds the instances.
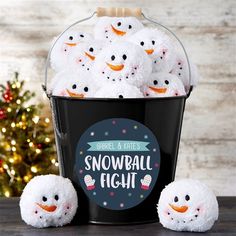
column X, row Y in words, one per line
column 163, row 85
column 113, row 28
column 187, row 205
column 70, row 83
column 122, row 62
column 48, row 200
column 158, row 46
column 64, row 46
column 85, row 54
column 181, row 70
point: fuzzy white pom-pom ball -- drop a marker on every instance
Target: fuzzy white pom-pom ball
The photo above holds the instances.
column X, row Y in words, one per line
column 187, row 205
column 84, row 54
column 73, row 83
column 163, row 84
column 122, row 62
column 48, row 200
column 158, row 46
column 110, row 29
column 64, row 46
column 121, row 90
column 181, row 69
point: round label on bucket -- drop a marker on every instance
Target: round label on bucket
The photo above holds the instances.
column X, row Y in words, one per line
column 117, row 163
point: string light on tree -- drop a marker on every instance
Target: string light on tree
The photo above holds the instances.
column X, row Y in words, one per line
column 7, row 193
column 31, row 144
column 47, row 120
column 34, row 169
column 38, row 151
column 47, row 140
column 13, row 142
column 35, row 119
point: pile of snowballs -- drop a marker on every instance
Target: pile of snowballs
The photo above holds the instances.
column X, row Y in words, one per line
column 123, row 59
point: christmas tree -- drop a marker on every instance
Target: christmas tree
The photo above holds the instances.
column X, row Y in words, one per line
column 26, row 139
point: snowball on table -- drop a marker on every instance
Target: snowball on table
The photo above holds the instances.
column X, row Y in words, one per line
column 181, row 69
column 121, row 90
column 158, row 46
column 112, row 28
column 48, row 200
column 187, row 205
column 84, row 54
column 121, row 62
column 65, row 46
column 73, row 83
column 163, row 84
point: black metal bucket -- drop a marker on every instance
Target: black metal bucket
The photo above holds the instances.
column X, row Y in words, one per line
column 163, row 116
column 119, row 153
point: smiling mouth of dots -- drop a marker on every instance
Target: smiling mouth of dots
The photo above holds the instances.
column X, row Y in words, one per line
column 189, row 220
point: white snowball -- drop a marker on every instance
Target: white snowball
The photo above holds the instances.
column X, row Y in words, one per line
column 73, row 83
column 180, row 69
column 48, row 200
column 65, row 46
column 84, row 54
column 163, row 84
column 113, row 28
column 158, row 46
column 121, row 90
column 121, row 61
column 187, row 205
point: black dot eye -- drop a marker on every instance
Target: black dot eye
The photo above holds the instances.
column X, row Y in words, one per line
column 120, row 96
column 166, row 82
column 56, row 197
column 153, row 42
column 130, row 26
column 74, row 86
column 91, row 49
column 85, row 89
column 119, row 24
column 187, row 198
column 71, row 38
column 124, row 57
column 113, row 57
column 155, row 82
column 44, row 199
column 176, row 199
column 82, row 36
column 142, row 43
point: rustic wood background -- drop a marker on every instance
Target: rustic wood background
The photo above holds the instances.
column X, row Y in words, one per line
column 207, row 29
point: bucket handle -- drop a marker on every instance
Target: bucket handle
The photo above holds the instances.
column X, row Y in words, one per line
column 119, row 12
column 124, row 12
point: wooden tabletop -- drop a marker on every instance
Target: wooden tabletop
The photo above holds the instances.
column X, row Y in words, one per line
column 11, row 224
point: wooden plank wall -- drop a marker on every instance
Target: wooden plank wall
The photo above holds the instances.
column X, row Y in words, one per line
column 207, row 28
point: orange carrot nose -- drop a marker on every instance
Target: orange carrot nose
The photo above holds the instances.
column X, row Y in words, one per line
column 115, row 67
column 180, row 209
column 118, row 32
column 51, row 208
column 71, row 44
column 158, row 90
column 149, row 51
column 75, row 95
column 90, row 56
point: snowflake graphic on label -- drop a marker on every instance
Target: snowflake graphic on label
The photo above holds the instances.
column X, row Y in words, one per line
column 117, row 163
